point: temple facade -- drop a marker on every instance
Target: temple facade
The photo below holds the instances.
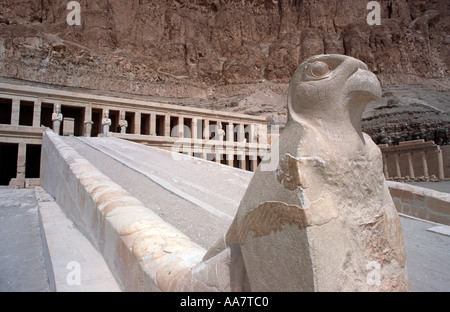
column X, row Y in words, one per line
column 232, row 139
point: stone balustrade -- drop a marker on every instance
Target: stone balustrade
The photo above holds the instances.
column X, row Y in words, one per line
column 420, row 202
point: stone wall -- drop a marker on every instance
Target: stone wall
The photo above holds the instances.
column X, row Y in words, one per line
column 422, row 203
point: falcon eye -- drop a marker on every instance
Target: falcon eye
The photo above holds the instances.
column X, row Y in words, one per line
column 319, row 69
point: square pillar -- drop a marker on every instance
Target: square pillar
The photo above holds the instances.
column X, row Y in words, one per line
column 410, row 166
column 440, row 164
column 398, row 173
column 152, row 124
column 218, row 157
column 385, row 166
column 37, row 114
column 254, row 163
column 206, row 132
column 167, row 125
column 194, row 128
column 122, row 118
column 240, row 132
column 251, row 134
column 137, row 123
column 15, row 112
column 181, row 127
column 424, row 165
column 242, row 162
column 87, row 131
column 19, row 181
column 230, row 132
column 229, row 128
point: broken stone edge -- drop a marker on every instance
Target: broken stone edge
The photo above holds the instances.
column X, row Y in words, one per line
column 143, row 252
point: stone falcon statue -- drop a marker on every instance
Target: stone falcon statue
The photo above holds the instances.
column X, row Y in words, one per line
column 324, row 220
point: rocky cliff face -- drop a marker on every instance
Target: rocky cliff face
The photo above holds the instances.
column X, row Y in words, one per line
column 219, row 48
column 181, row 48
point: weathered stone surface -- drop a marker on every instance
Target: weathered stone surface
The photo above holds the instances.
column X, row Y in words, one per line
column 323, row 236
column 202, row 48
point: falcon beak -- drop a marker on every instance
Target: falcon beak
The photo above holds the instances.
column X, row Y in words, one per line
column 364, row 85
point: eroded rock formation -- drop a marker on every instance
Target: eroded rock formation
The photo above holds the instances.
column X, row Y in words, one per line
column 216, row 48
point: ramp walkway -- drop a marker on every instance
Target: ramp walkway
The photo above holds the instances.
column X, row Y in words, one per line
column 200, row 197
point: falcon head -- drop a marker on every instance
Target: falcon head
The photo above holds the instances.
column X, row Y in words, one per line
column 332, row 86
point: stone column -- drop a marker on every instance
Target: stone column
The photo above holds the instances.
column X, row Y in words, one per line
column 230, row 132
column 251, row 134
column 206, row 132
column 137, row 123
column 204, row 149
column 181, row 127
column 220, row 135
column 398, row 173
column 243, row 162
column 21, row 161
column 240, row 145
column 194, row 128
column 15, row 112
column 425, row 165
column 88, row 121
column 385, row 166
column 37, row 114
column 230, row 159
column 241, row 133
column 410, row 166
column 230, row 143
column 440, row 164
column 153, row 124
column 253, row 160
column 167, row 125
column 218, row 156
